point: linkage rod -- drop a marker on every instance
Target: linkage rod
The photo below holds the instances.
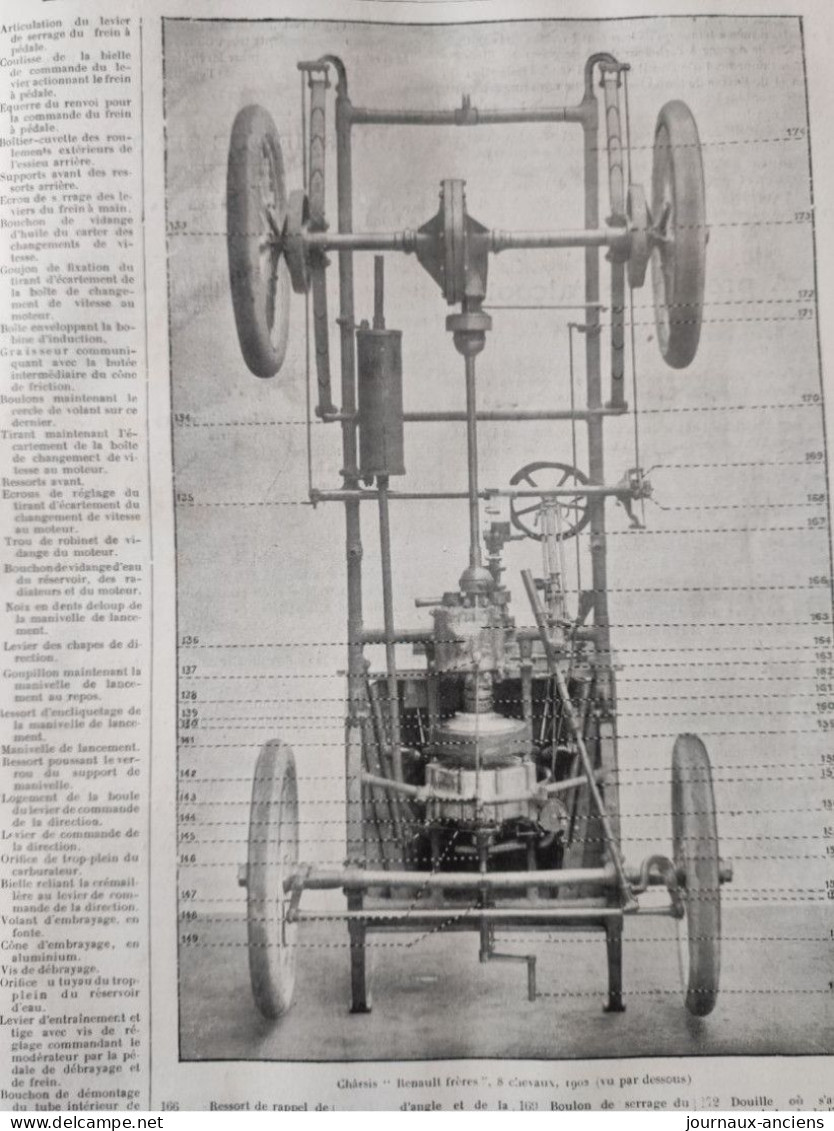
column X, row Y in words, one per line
column 355, row 725
column 616, row 182
column 592, row 492
column 444, row 918
column 465, row 115
column 508, row 414
column 425, row 793
column 388, row 616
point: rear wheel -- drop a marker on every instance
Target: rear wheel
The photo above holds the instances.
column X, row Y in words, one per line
column 256, row 207
column 678, row 217
column 273, row 853
column 695, row 850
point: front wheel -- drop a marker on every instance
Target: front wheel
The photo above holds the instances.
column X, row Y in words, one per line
column 273, row 853
column 695, row 850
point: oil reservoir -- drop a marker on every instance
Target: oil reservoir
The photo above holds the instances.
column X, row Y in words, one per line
column 380, row 376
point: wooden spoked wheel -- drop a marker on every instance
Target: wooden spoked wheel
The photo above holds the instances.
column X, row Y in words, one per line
column 273, row 853
column 256, row 208
column 679, row 234
column 695, row 852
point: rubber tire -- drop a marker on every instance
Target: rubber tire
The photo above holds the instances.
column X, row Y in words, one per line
column 258, row 273
column 695, row 850
column 273, row 850
column 678, row 275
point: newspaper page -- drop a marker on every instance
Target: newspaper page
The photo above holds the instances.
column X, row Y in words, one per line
column 417, row 661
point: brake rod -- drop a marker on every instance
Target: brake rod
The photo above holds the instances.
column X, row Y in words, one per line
column 573, row 723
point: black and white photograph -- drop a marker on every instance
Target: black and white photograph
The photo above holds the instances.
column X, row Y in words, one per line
column 505, row 676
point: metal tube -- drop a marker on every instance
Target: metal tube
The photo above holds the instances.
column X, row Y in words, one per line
column 472, row 463
column 482, row 840
column 592, row 339
column 402, row 636
column 378, row 802
column 541, row 619
column 517, row 916
column 391, row 798
column 605, row 733
column 404, row 904
column 605, row 736
column 500, row 414
column 425, row 793
column 589, row 492
column 364, row 241
column 583, row 237
column 408, row 240
column 427, row 636
column 418, row 791
column 388, row 618
column 323, row 879
column 616, row 186
column 432, row 690
column 354, row 723
column 617, row 401
column 526, row 652
column 509, row 414
column 583, row 632
column 379, row 292
column 614, row 142
column 319, row 83
column 566, row 784
column 465, row 115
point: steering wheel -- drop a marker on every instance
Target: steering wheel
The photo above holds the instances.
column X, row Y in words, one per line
column 548, row 476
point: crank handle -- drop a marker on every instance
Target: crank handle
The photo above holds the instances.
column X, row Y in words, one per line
column 530, row 959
